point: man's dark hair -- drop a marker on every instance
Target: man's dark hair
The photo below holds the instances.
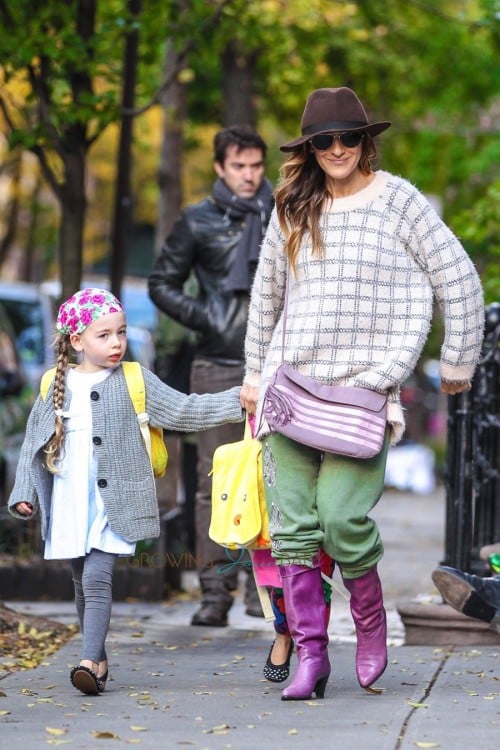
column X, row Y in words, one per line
column 241, row 136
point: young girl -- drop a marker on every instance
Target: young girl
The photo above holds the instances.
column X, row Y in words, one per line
column 84, row 468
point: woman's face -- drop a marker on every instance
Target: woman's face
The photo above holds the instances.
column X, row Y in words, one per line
column 339, row 162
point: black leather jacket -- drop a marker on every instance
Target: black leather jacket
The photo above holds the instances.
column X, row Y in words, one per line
column 203, row 240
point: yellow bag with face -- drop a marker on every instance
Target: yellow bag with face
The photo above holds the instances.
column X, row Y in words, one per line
column 239, row 512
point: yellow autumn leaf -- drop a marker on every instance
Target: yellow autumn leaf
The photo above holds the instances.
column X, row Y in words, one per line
column 138, row 729
column 427, row 745
column 55, row 730
column 105, row 735
column 4, row 713
column 21, row 628
column 414, row 704
column 293, row 731
column 219, row 729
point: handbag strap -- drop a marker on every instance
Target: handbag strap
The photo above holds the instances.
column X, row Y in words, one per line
column 285, row 310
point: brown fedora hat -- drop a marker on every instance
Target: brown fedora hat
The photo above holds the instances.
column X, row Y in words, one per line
column 330, row 110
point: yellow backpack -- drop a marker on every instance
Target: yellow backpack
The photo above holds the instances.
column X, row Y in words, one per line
column 239, row 512
column 152, row 436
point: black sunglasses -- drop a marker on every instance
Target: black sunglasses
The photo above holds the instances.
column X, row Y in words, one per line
column 322, row 141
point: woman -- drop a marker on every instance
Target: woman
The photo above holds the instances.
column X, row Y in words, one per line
column 364, row 254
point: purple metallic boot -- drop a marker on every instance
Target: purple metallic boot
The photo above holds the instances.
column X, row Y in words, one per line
column 306, row 614
column 368, row 613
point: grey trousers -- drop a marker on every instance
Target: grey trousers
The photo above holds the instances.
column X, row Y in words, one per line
column 92, row 579
column 217, row 568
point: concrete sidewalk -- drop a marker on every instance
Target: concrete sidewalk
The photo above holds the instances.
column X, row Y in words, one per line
column 174, row 685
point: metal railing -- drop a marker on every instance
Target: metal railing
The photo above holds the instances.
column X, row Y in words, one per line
column 472, row 475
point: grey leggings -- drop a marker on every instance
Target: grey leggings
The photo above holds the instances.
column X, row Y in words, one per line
column 93, row 578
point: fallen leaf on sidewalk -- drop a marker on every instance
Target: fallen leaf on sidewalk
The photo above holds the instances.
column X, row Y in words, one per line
column 219, row 729
column 414, row 704
column 29, row 639
column 427, row 745
column 55, row 730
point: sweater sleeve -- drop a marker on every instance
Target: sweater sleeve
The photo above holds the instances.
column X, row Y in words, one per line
column 177, row 411
column 266, row 302
column 456, row 287
column 24, row 490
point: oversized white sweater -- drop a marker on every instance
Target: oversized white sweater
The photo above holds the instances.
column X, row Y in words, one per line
column 360, row 313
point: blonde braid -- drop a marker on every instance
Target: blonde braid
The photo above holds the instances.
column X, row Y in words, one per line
column 55, row 446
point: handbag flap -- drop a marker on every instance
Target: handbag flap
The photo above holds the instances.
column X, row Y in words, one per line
column 341, row 394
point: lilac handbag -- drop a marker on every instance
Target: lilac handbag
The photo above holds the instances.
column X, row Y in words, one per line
column 332, row 418
column 340, row 419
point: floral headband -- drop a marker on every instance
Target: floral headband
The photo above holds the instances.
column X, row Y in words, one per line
column 80, row 310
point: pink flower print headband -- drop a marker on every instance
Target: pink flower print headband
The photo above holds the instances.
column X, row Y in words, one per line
column 80, row 310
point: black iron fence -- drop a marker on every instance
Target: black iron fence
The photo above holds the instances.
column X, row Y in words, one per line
column 473, row 459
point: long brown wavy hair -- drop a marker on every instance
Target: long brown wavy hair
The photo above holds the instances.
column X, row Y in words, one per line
column 301, row 194
column 55, row 447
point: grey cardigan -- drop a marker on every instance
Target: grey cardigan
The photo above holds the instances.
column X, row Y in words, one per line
column 124, row 474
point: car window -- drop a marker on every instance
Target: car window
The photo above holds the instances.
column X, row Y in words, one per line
column 27, row 321
column 141, row 311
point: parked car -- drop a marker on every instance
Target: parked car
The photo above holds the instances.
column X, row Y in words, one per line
column 16, row 397
column 30, row 311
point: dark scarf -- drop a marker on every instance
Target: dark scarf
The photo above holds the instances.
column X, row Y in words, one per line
column 256, row 212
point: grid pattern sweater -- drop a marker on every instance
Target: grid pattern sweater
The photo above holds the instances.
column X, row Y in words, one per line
column 360, row 314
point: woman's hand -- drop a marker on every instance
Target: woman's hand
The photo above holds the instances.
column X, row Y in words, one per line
column 249, row 396
column 25, row 509
column 457, row 387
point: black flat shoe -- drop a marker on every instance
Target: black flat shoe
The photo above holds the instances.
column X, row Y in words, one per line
column 86, row 681
column 277, row 672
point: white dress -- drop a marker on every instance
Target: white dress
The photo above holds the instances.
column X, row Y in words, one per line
column 78, row 520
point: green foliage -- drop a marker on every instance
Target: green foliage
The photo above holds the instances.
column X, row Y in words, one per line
column 479, row 229
column 429, row 67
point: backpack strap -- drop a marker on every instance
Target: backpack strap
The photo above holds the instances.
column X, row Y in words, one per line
column 137, row 393
column 46, row 381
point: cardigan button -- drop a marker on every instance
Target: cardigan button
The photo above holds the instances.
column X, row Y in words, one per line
column 97, row 440
column 94, row 396
column 102, row 483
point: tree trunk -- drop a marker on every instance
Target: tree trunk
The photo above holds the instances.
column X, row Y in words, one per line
column 173, row 101
column 11, row 210
column 123, row 198
column 73, row 208
column 238, row 72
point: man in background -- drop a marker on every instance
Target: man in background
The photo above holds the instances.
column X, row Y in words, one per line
column 218, row 240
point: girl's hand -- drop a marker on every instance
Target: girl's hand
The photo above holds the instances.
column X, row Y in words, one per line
column 249, row 396
column 26, row 509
